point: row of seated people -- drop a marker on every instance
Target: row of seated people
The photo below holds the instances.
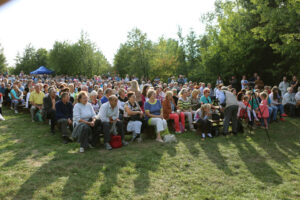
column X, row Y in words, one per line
column 90, row 114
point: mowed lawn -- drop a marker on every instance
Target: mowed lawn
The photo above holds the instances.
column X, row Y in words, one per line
column 36, row 165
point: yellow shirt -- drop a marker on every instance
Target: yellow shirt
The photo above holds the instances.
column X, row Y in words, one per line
column 37, row 98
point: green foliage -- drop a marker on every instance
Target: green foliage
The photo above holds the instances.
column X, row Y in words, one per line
column 134, row 56
column 31, row 59
column 3, row 65
column 80, row 58
column 242, row 37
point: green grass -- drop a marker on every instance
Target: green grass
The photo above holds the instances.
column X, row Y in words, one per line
column 36, row 165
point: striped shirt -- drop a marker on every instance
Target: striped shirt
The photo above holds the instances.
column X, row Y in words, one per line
column 184, row 104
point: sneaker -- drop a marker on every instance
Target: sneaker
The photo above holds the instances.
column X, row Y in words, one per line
column 139, row 140
column 209, row 135
column 284, row 115
column 193, row 130
column 81, row 150
column 16, row 112
column 107, row 146
column 160, row 140
column 91, row 146
column 282, row 119
column 177, row 132
column 1, row 118
column 11, row 108
column 124, row 143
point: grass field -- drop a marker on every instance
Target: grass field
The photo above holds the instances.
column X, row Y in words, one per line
column 36, row 165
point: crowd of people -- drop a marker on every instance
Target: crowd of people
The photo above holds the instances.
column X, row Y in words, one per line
column 84, row 108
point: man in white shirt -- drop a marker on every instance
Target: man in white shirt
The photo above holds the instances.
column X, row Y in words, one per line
column 289, row 102
column 283, row 85
column 109, row 116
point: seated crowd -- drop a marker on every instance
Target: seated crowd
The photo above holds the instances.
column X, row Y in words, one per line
column 84, row 109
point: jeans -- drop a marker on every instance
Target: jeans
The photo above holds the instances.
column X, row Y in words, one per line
column 63, row 126
column 106, row 130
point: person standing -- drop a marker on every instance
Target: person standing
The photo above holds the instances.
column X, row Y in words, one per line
column 283, row 86
column 230, row 111
column 295, row 84
column 244, row 83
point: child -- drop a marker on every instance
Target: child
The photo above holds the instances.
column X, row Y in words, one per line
column 202, row 117
column 1, row 101
column 247, row 103
column 263, row 112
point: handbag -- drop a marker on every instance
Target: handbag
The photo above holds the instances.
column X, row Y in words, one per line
column 135, row 117
column 115, row 141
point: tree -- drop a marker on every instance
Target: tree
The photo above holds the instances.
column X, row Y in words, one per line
column 3, row 65
column 80, row 58
column 31, row 59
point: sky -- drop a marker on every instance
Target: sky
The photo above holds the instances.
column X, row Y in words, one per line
column 107, row 22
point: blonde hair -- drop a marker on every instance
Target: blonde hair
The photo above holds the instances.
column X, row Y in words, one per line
column 263, row 95
column 169, row 93
column 182, row 91
column 134, row 86
column 203, row 107
column 195, row 92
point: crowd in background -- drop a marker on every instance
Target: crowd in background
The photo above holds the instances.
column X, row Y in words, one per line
column 84, row 108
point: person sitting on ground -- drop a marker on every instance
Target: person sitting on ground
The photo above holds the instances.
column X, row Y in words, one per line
column 36, row 101
column 64, row 116
column 202, row 117
column 134, row 114
column 107, row 93
column 289, row 102
column 184, row 105
column 230, row 111
column 49, row 111
column 96, row 104
column 109, row 116
column 16, row 97
column 84, row 121
column 154, row 114
column 170, row 112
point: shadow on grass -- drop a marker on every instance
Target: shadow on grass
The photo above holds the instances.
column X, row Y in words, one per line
column 256, row 163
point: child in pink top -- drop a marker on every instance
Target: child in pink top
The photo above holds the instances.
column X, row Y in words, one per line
column 263, row 112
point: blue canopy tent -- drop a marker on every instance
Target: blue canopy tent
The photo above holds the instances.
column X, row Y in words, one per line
column 42, row 70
